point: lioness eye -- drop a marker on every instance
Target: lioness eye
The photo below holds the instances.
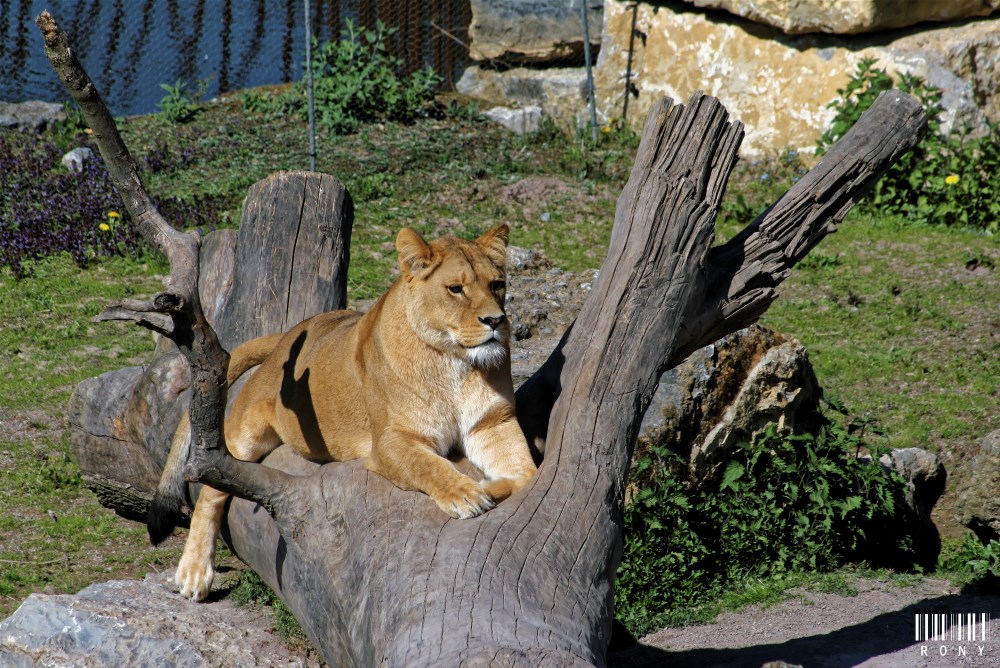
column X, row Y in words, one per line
column 497, row 286
column 455, row 289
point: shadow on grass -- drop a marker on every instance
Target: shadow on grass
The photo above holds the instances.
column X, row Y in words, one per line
column 882, row 635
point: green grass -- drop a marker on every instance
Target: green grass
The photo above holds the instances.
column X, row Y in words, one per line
column 897, row 327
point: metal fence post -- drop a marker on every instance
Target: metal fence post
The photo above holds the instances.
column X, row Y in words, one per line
column 309, row 85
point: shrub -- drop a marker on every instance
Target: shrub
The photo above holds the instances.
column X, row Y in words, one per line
column 783, row 504
column 944, row 180
column 357, row 81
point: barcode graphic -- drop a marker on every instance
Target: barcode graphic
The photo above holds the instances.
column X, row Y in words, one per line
column 969, row 627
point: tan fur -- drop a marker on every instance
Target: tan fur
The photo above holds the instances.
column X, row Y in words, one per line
column 424, row 373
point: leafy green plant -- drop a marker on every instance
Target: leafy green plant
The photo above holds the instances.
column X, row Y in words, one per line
column 468, row 112
column 944, row 180
column 356, row 80
column 68, row 132
column 180, row 104
column 972, row 562
column 783, row 504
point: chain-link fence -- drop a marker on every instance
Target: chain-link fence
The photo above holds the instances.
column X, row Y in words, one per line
column 130, row 47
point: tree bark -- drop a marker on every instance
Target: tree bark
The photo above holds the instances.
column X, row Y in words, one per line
column 378, row 575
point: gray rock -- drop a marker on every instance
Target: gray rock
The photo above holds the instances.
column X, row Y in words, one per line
column 925, row 478
column 978, row 506
column 524, row 259
column 522, row 121
column 924, row 474
column 561, row 92
column 33, row 115
column 728, row 392
column 73, row 160
column 138, row 623
column 532, row 31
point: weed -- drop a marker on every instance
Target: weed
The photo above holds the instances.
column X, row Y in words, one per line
column 944, row 180
column 785, row 503
column 972, row 562
column 370, row 187
column 467, row 112
column 252, row 590
column 180, row 104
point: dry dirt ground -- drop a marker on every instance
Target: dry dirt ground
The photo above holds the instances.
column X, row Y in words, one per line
column 876, row 629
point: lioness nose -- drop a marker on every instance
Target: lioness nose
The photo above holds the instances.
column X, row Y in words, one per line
column 493, row 321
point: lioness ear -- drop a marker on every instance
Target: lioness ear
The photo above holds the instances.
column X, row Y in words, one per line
column 414, row 253
column 494, row 242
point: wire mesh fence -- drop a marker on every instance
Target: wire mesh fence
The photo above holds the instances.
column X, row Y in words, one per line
column 130, row 48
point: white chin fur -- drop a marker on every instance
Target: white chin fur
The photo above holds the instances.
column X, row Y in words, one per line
column 487, row 356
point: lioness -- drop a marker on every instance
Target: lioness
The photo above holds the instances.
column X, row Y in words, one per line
column 425, row 372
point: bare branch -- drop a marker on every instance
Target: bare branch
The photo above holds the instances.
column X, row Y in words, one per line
column 180, row 303
column 157, row 322
column 742, row 275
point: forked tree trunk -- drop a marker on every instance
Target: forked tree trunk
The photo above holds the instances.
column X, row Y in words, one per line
column 377, row 575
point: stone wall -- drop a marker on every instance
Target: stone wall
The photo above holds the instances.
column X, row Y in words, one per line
column 778, row 84
column 851, row 16
column 532, row 31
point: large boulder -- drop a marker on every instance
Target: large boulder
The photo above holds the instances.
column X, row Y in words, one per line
column 925, row 478
column 559, row 92
column 978, row 506
column 778, row 85
column 139, row 623
column 529, row 31
column 725, row 394
column 854, row 16
column 33, row 115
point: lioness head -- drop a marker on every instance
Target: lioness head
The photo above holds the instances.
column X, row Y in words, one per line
column 455, row 293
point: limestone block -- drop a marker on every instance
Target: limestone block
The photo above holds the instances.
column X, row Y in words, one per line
column 529, row 31
column 779, row 86
column 856, row 16
column 560, row 92
column 521, row 121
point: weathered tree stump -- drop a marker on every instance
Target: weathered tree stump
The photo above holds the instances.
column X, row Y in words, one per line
column 378, row 575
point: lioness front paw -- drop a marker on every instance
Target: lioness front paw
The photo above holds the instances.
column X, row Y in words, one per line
column 466, row 502
column 194, row 578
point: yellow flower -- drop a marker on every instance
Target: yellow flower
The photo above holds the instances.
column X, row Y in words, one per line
column 951, row 179
column 88, row 131
column 114, row 214
column 104, row 227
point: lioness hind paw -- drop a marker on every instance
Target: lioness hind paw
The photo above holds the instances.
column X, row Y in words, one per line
column 194, row 580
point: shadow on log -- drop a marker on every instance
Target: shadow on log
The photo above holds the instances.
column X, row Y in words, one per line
column 377, row 575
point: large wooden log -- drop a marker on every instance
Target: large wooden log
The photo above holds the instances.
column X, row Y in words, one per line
column 377, row 575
